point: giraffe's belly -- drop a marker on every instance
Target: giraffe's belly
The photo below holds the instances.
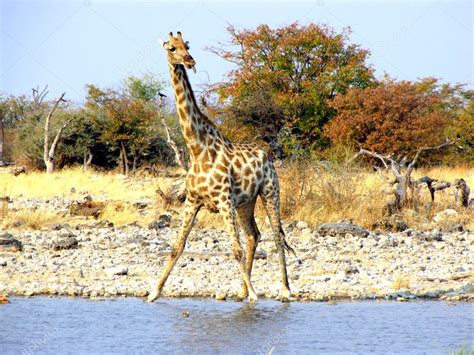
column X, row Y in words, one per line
column 212, row 196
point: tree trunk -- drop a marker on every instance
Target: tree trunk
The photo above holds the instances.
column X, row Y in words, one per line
column 49, row 152
column 179, row 156
column 49, row 166
column 123, row 153
column 87, row 159
column 134, row 162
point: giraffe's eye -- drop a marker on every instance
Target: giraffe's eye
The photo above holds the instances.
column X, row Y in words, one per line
column 172, row 49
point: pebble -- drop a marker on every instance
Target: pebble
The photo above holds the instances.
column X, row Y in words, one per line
column 117, row 270
column 221, row 296
column 333, row 266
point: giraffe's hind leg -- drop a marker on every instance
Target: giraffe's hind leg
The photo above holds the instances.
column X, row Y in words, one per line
column 247, row 221
column 190, row 211
column 270, row 196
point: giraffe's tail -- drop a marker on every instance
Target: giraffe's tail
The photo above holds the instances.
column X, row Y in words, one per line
column 287, row 246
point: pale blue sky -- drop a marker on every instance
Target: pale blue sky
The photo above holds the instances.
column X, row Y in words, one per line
column 67, row 44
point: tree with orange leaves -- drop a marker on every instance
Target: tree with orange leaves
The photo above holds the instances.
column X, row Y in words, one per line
column 284, row 79
column 396, row 116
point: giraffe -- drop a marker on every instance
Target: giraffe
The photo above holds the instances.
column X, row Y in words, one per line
column 224, row 177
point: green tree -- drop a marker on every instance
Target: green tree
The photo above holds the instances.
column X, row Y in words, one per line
column 146, row 88
column 128, row 119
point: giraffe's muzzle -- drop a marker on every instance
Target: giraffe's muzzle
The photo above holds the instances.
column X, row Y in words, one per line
column 189, row 62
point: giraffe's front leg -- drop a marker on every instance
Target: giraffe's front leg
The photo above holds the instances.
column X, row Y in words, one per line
column 228, row 212
column 190, row 211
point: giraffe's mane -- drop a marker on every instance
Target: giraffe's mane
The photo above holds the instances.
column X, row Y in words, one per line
column 193, row 98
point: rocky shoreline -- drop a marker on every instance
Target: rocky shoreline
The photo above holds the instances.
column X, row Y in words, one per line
column 100, row 260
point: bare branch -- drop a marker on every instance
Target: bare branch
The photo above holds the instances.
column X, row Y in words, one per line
column 372, row 154
column 48, row 153
column 47, row 125
column 52, row 150
column 385, row 159
column 424, row 149
column 172, row 144
column 38, row 96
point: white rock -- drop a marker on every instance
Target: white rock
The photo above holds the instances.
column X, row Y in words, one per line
column 444, row 215
column 301, row 225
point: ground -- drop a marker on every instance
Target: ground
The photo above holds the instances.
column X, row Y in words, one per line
column 121, row 251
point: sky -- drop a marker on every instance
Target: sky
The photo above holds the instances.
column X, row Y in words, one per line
column 68, row 44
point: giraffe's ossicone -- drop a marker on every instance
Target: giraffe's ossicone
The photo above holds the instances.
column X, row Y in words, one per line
column 224, row 177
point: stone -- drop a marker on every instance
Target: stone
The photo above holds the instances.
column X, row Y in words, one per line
column 141, row 293
column 260, row 254
column 88, row 208
column 163, row 221
column 342, row 229
column 116, row 270
column 301, row 225
column 8, row 243
column 140, row 205
column 3, row 262
column 18, row 224
column 445, row 215
column 59, row 226
column 221, row 296
column 65, row 242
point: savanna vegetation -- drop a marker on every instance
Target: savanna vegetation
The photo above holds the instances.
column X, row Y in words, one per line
column 304, row 92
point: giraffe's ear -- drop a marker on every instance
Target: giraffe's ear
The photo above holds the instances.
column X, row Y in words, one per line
column 186, row 45
column 162, row 42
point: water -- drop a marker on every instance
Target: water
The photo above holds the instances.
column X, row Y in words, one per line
column 129, row 325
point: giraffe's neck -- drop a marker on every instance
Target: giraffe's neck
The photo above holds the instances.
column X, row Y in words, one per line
column 196, row 127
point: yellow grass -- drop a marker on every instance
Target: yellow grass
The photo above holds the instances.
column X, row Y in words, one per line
column 312, row 193
column 29, row 219
column 60, row 184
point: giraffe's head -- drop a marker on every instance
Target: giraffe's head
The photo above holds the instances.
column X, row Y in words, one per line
column 178, row 53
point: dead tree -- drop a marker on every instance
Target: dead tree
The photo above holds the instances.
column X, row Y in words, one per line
column 433, row 185
column 179, row 156
column 406, row 189
column 87, row 159
column 38, row 96
column 50, row 151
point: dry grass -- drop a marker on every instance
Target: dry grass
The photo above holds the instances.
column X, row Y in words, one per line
column 30, row 219
column 121, row 214
column 109, row 185
column 322, row 194
column 313, row 193
column 119, row 191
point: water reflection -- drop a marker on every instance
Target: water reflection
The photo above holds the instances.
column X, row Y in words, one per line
column 237, row 326
column 133, row 326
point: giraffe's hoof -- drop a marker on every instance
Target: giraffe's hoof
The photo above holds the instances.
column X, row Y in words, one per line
column 153, row 296
column 285, row 296
column 253, row 298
